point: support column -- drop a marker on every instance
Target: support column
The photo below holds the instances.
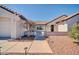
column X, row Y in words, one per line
column 28, row 27
column 45, row 28
column 13, row 28
column 28, row 30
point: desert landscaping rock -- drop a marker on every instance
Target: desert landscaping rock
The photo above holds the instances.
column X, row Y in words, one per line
column 63, row 45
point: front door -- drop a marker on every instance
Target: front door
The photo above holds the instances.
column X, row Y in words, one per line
column 52, row 28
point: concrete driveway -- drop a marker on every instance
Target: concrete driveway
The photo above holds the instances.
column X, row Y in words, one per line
column 17, row 48
column 40, row 47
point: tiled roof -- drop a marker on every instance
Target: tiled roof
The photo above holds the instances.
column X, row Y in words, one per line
column 57, row 19
column 67, row 18
column 40, row 22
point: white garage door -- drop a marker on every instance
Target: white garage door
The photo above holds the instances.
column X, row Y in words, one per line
column 5, row 28
column 62, row 28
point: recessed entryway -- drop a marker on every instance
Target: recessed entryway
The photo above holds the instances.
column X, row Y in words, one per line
column 52, row 28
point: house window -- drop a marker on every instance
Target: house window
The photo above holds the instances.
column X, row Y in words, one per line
column 39, row 28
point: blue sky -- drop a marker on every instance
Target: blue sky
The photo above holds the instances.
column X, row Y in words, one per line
column 44, row 12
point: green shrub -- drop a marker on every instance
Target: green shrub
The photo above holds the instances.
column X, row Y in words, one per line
column 74, row 33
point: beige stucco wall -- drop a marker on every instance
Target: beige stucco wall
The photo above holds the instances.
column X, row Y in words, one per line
column 67, row 25
column 18, row 27
column 56, row 28
column 48, row 27
column 11, row 25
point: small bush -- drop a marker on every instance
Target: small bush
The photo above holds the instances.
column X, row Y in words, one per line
column 74, row 33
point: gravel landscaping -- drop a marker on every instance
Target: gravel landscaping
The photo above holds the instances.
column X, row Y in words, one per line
column 63, row 45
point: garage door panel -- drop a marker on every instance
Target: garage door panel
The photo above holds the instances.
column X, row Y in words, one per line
column 5, row 29
column 62, row 28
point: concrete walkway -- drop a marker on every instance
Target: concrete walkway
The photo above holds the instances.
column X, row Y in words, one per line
column 40, row 47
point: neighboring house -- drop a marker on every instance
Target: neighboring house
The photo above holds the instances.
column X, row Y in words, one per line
column 12, row 24
column 66, row 24
column 52, row 25
column 60, row 24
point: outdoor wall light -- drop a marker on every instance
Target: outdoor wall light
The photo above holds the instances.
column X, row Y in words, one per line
column 25, row 50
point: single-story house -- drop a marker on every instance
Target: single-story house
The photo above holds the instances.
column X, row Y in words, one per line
column 12, row 24
column 60, row 24
column 51, row 26
column 66, row 24
column 48, row 26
